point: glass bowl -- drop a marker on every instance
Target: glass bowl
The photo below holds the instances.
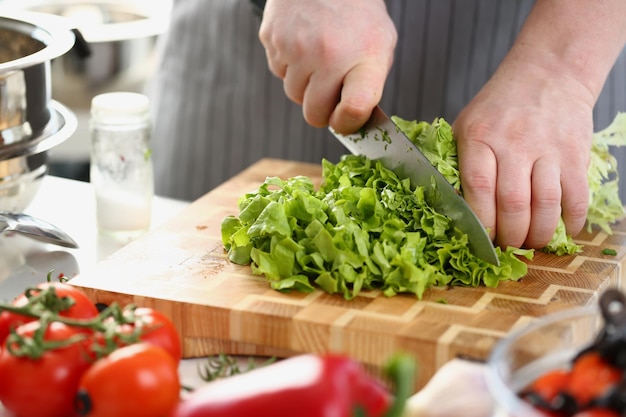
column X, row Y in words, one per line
column 548, row 343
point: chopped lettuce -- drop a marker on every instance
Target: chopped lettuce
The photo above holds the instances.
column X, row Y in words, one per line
column 365, row 228
column 437, row 143
column 605, row 206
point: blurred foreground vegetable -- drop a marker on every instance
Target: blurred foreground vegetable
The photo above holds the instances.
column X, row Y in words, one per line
column 43, row 380
column 462, row 384
column 57, row 341
column 305, row 386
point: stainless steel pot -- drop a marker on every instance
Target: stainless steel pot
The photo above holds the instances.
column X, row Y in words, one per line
column 23, row 164
column 31, row 123
column 121, row 35
column 29, row 41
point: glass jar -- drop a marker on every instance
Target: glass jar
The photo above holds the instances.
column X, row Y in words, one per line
column 121, row 165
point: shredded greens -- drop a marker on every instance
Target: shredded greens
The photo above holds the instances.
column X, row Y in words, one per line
column 365, row 228
column 605, row 206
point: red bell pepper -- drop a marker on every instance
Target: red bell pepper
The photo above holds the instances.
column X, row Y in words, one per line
column 303, row 386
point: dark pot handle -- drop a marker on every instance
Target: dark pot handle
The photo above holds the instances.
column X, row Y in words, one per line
column 81, row 46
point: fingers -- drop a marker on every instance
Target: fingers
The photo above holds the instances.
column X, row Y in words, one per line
column 545, row 207
column 345, row 103
column 333, row 57
column 478, row 166
column 361, row 91
column 575, row 200
column 519, row 196
column 275, row 64
column 524, row 206
column 295, row 82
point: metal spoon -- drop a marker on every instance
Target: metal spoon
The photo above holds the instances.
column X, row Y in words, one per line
column 35, row 228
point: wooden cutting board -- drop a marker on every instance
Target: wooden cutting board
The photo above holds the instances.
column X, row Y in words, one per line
column 219, row 307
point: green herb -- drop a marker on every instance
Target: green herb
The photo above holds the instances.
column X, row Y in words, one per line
column 608, row 251
column 223, row 366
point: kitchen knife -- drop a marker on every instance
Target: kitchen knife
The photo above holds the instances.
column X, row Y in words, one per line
column 381, row 140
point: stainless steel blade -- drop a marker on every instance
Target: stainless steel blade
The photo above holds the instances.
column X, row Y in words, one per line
column 35, row 228
column 381, row 140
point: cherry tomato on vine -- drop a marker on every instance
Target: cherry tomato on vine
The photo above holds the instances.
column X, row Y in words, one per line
column 139, row 380
column 590, row 377
column 154, row 328
column 43, row 386
column 83, row 307
column 158, row 329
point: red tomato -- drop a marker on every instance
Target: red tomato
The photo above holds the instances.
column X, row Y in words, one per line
column 83, row 307
column 154, row 327
column 158, row 329
column 139, row 380
column 597, row 412
column 43, row 387
column 591, row 376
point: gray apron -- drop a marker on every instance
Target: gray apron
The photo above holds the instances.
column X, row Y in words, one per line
column 218, row 109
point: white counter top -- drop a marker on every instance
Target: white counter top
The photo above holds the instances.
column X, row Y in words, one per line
column 70, row 205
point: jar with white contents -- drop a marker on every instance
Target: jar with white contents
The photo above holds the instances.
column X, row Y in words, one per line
column 121, row 165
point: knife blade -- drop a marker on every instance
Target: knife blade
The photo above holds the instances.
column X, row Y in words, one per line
column 381, row 140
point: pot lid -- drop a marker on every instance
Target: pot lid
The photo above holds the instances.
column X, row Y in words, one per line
column 107, row 20
column 52, row 32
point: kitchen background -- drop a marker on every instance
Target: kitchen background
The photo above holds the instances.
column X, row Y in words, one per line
column 121, row 38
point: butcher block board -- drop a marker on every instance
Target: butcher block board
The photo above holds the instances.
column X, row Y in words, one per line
column 181, row 268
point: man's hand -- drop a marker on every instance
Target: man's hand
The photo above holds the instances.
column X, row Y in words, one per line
column 524, row 141
column 524, row 144
column 333, row 56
